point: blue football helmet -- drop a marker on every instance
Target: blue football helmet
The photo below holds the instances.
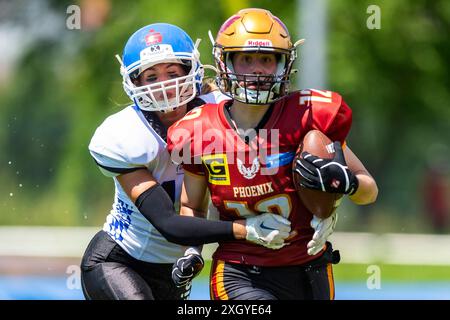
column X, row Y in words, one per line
column 161, row 43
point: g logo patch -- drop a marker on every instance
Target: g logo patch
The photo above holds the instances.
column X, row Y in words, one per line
column 217, row 166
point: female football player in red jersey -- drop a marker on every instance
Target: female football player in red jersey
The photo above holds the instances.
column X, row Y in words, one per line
column 247, row 165
column 132, row 257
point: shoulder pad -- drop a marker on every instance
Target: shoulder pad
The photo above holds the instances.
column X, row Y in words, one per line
column 328, row 112
column 320, row 97
column 123, row 141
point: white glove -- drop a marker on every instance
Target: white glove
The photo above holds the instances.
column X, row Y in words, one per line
column 269, row 230
column 323, row 229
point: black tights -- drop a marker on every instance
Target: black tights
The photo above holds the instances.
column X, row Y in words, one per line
column 109, row 273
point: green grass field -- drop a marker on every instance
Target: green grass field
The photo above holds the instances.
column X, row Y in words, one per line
column 389, row 272
column 356, row 272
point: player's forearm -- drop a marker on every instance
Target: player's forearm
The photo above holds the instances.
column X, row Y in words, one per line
column 239, row 230
column 157, row 207
column 367, row 191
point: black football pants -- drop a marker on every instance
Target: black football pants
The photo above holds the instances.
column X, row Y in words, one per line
column 109, row 273
column 314, row 281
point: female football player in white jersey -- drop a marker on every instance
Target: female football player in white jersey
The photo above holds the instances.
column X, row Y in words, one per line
column 132, row 258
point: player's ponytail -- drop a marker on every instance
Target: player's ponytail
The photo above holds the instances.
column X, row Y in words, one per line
column 208, row 86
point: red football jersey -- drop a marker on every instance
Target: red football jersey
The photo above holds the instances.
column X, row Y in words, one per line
column 251, row 176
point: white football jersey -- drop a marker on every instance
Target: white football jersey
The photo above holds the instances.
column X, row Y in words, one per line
column 126, row 141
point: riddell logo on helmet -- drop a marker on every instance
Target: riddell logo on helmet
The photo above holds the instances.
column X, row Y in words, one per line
column 153, row 37
column 258, row 42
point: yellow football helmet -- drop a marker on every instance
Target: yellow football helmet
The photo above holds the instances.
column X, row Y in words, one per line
column 254, row 30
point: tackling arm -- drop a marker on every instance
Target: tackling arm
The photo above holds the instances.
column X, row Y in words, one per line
column 194, row 201
column 157, row 207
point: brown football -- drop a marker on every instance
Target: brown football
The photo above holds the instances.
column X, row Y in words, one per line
column 321, row 204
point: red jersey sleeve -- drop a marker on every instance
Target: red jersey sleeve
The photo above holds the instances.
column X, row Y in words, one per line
column 180, row 142
column 340, row 126
column 328, row 113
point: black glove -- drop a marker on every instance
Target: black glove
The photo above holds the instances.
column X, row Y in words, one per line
column 329, row 175
column 187, row 267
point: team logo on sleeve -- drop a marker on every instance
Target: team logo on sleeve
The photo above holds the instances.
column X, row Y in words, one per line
column 217, row 166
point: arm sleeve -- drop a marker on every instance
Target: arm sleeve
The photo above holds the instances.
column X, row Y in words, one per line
column 155, row 205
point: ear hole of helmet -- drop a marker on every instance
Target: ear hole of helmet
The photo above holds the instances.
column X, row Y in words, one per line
column 186, row 66
column 134, row 75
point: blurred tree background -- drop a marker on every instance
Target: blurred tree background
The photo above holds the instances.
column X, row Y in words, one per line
column 62, row 83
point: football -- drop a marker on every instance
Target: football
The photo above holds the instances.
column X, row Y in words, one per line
column 321, row 204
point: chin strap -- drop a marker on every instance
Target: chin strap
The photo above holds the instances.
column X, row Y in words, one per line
column 211, row 38
column 123, row 70
column 299, row 42
column 210, row 67
column 196, row 53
